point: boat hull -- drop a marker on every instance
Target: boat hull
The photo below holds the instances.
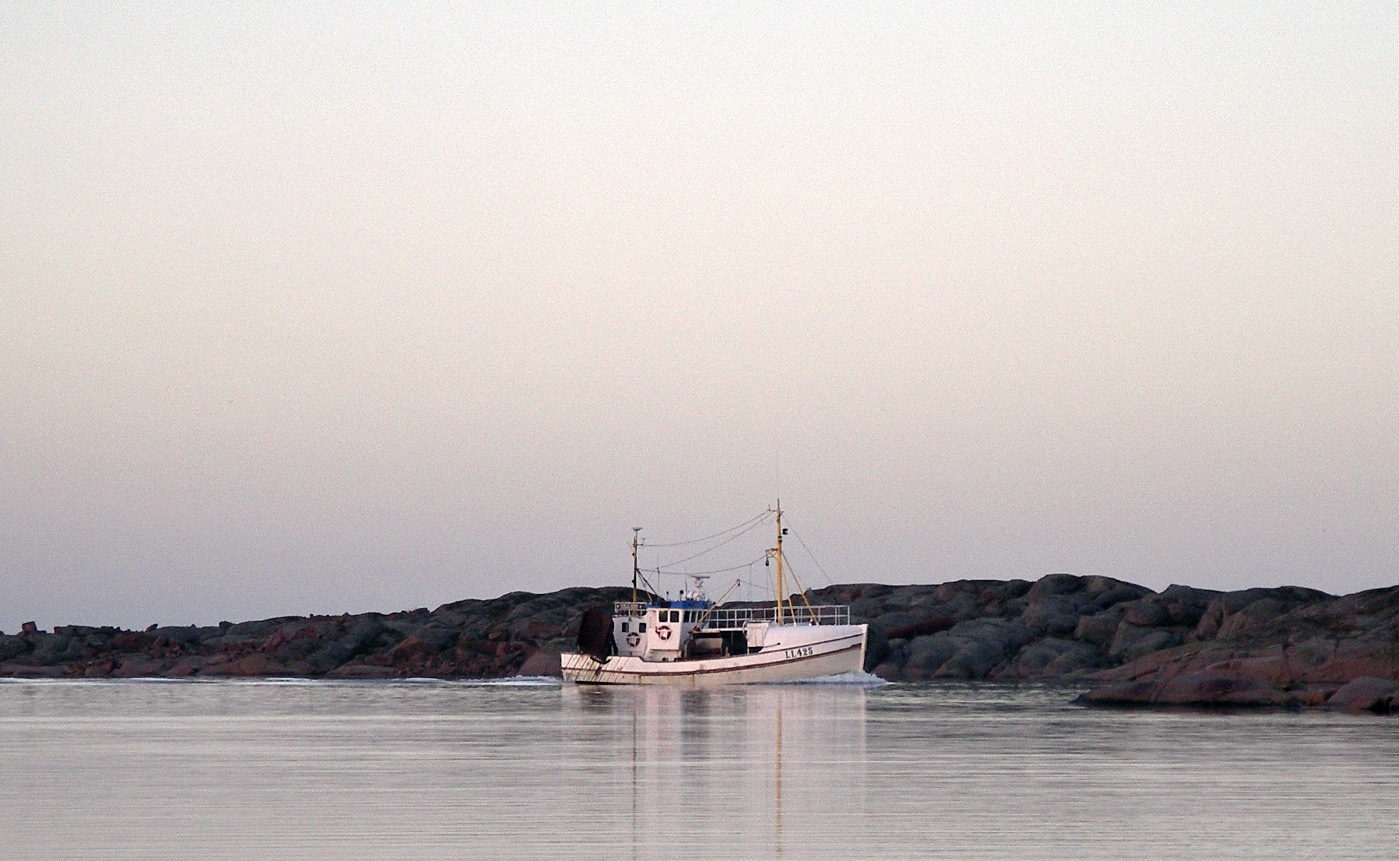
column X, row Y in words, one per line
column 796, row 652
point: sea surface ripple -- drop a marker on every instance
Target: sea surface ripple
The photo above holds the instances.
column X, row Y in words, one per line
column 530, row 768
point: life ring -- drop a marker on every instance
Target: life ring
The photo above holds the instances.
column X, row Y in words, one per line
column 663, row 631
column 633, row 638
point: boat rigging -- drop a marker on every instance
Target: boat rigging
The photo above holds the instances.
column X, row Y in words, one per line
column 696, row 642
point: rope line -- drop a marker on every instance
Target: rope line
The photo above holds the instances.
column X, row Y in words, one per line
column 748, row 523
column 665, row 571
column 751, row 525
column 819, row 566
column 762, row 587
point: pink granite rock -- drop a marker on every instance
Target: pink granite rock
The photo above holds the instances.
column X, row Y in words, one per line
column 1366, row 694
column 356, row 670
column 256, row 664
column 1191, row 689
column 544, row 662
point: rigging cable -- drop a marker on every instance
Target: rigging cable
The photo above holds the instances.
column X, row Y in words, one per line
column 796, row 535
column 762, row 588
column 750, row 523
column 659, row 570
column 801, row 591
column 647, row 583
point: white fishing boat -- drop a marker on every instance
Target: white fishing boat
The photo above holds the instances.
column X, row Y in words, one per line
column 693, row 642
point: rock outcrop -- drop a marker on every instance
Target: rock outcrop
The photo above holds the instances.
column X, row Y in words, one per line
column 465, row 639
column 1191, row 689
column 1060, row 626
column 1283, row 646
column 1312, row 648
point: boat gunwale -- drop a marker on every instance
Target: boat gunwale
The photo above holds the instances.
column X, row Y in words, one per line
column 782, row 661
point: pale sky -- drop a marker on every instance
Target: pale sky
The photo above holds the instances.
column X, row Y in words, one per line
column 345, row 307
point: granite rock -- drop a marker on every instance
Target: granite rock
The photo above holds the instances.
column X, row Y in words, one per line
column 1366, row 694
column 1298, row 642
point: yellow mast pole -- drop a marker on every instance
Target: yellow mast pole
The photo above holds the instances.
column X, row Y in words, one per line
column 635, row 566
column 781, row 589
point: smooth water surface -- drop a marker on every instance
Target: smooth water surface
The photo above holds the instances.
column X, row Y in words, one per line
column 532, row 769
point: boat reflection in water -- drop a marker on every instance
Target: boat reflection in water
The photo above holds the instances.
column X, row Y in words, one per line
column 772, row 767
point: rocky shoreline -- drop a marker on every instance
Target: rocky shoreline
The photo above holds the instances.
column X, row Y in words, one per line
column 490, row 638
column 1278, row 647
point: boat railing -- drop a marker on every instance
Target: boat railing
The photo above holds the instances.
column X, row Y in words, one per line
column 737, row 617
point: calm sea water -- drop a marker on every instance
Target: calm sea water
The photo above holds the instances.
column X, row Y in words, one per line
column 532, row 769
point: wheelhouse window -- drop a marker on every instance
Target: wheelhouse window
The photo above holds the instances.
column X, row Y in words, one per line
column 641, row 628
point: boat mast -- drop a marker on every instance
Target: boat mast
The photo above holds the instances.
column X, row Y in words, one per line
column 777, row 552
column 635, row 566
